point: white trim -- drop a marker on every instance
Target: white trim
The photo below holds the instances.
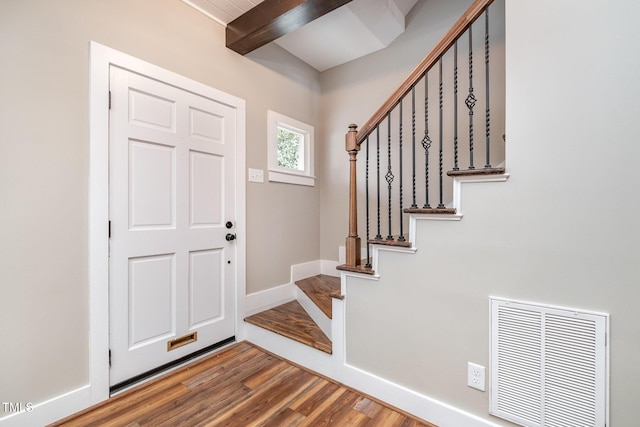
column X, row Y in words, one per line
column 293, row 351
column 329, row 268
column 420, row 405
column 414, row 218
column 304, row 270
column 459, row 180
column 280, row 174
column 101, row 58
column 51, row 410
column 272, row 297
column 269, row 298
column 322, row 320
column 291, row 178
column 375, row 257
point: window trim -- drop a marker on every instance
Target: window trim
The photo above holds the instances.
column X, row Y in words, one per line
column 282, row 174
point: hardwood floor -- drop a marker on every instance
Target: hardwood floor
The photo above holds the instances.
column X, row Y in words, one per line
column 241, row 386
column 321, row 289
column 292, row 321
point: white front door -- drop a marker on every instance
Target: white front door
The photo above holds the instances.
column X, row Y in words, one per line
column 171, row 201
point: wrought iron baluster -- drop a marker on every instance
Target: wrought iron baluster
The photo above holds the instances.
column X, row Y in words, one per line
column 389, row 176
column 455, row 106
column 471, row 98
column 379, row 235
column 400, row 159
column 486, row 66
column 413, row 145
column 440, row 205
column 366, row 189
column 426, row 141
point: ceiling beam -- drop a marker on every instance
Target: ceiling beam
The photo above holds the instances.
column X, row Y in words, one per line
column 272, row 19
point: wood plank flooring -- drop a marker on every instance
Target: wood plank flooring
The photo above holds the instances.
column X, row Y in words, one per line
column 321, row 289
column 292, row 321
column 241, row 386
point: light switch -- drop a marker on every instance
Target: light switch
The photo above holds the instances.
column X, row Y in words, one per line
column 256, row 175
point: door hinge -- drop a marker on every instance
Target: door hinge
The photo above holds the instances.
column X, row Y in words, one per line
column 109, row 100
column 109, row 357
column 109, row 229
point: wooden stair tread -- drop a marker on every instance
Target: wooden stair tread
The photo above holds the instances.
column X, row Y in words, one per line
column 362, row 268
column 292, row 321
column 391, row 242
column 431, row 211
column 479, row 171
column 321, row 289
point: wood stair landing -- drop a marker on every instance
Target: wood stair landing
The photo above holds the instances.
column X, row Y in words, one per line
column 292, row 321
column 321, row 289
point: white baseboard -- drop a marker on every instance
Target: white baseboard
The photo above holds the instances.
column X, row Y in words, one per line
column 329, row 267
column 304, row 270
column 269, row 298
column 49, row 411
column 429, row 409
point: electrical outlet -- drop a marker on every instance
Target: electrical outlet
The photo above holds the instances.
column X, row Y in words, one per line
column 256, row 175
column 475, row 376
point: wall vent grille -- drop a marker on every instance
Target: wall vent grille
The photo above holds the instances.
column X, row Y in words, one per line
column 549, row 365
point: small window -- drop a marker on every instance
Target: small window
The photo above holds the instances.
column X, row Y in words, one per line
column 290, row 150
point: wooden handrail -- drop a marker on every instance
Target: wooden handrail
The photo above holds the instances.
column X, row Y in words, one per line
column 474, row 11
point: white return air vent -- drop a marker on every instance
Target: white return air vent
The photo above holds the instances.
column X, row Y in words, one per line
column 549, row 366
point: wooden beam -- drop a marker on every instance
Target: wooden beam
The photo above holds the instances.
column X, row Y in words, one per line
column 272, row 19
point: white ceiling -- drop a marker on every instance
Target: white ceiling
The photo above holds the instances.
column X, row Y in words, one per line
column 223, row 11
column 349, row 32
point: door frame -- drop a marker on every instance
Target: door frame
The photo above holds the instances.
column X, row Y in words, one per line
column 101, row 58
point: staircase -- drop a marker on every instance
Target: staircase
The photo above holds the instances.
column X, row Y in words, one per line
column 430, row 136
column 442, row 128
column 436, row 130
column 307, row 319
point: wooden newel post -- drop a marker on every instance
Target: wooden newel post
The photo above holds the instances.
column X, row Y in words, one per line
column 353, row 241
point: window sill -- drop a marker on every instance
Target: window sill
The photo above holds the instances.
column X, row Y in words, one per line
column 290, row 178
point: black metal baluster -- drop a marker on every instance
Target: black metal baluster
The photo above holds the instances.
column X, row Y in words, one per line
column 440, row 205
column 486, row 66
column 426, row 141
column 413, row 144
column 389, row 176
column 378, row 236
column 455, row 106
column 471, row 98
column 401, row 236
column 366, row 189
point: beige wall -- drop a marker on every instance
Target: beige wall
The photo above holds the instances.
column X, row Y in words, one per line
column 44, row 49
column 563, row 230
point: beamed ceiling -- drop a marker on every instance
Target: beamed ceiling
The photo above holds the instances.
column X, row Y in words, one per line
column 323, row 33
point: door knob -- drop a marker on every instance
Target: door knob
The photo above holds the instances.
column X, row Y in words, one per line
column 230, row 237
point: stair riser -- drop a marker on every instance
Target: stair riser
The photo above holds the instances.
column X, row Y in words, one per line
column 316, row 314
